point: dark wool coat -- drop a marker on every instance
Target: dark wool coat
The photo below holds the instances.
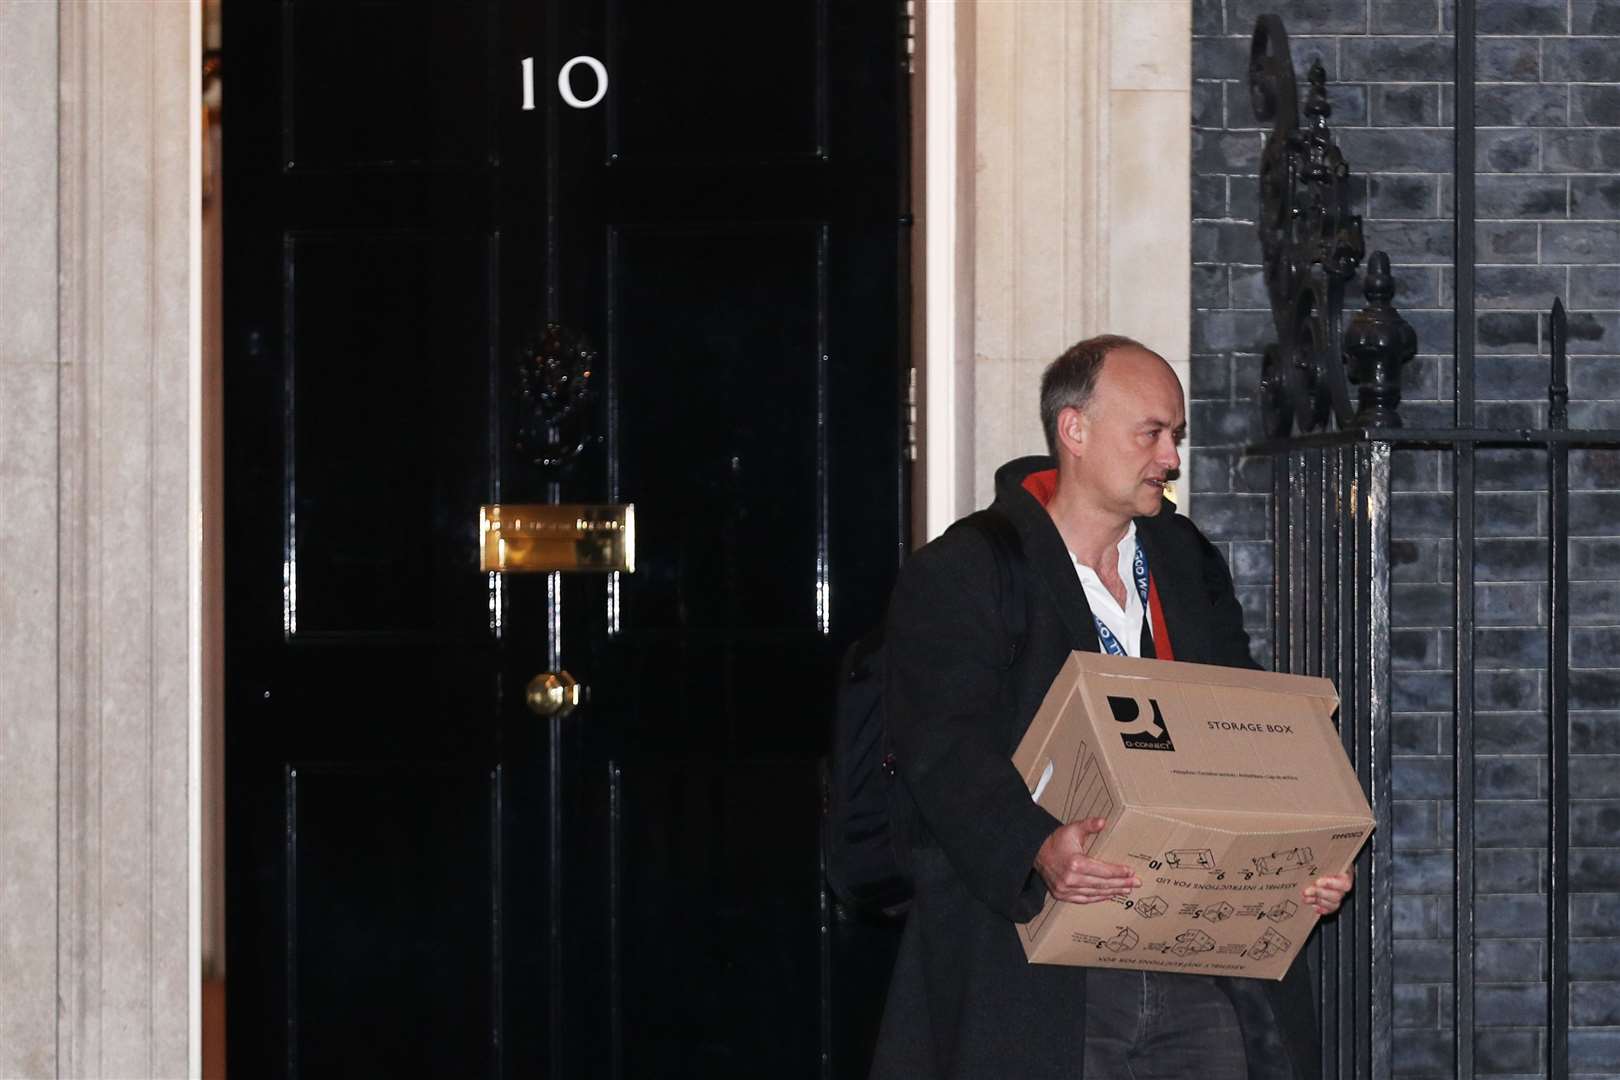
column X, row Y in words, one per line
column 963, row 1001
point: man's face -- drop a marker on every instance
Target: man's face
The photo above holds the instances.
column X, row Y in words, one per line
column 1130, row 434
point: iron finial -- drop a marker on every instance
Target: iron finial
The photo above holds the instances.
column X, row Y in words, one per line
column 1380, row 283
column 1316, row 101
column 1379, row 343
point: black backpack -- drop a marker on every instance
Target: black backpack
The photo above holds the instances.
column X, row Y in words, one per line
column 857, row 837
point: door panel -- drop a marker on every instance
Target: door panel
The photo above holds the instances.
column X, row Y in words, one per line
column 393, row 924
column 388, row 368
column 728, row 379
column 722, row 935
column 387, row 85
column 758, row 80
column 424, row 877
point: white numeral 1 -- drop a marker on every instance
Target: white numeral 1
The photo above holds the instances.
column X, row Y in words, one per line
column 528, row 84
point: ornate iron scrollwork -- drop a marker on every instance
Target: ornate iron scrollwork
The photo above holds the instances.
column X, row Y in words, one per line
column 555, row 396
column 1311, row 243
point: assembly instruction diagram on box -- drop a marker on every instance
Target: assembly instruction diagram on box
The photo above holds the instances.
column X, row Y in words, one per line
column 1227, row 791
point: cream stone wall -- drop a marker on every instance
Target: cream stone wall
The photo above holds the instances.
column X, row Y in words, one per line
column 97, row 968
column 1078, row 202
column 29, row 369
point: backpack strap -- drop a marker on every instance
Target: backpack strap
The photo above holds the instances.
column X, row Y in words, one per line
column 1011, row 573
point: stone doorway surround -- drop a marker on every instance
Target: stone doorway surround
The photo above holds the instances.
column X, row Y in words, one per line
column 1057, row 147
column 1058, row 163
column 100, row 529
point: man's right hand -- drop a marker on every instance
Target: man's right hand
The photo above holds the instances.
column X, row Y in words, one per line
column 1072, row 875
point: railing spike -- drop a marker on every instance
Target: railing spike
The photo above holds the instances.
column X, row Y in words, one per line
column 1558, row 386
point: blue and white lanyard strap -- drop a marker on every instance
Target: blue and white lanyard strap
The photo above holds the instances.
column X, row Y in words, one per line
column 1105, row 637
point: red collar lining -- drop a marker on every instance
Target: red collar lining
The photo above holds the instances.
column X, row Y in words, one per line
column 1042, row 485
column 1161, row 629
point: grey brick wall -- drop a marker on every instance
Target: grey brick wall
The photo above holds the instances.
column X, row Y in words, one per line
column 1548, row 196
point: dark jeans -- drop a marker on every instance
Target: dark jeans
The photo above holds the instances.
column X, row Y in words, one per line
column 1150, row 1026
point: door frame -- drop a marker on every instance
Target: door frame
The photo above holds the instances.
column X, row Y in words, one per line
column 103, row 406
column 946, row 297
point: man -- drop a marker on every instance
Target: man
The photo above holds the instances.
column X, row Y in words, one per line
column 963, row 1001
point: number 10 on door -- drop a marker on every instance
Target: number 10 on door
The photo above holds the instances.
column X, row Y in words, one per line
column 565, row 86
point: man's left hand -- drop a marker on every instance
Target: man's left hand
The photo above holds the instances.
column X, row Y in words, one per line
column 1325, row 894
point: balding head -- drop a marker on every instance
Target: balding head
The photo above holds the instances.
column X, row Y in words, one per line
column 1071, row 379
column 1121, row 444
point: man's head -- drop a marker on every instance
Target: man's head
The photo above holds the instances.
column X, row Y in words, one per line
column 1114, row 419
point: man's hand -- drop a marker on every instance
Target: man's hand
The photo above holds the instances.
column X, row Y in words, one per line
column 1076, row 877
column 1325, row 894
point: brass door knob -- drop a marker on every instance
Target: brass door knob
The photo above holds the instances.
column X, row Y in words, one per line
column 554, row 694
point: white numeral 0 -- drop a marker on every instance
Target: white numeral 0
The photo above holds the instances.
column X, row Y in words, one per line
column 564, row 87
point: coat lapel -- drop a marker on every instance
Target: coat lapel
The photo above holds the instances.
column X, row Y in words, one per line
column 1054, row 572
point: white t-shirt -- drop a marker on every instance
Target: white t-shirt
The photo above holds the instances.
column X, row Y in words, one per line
column 1126, row 622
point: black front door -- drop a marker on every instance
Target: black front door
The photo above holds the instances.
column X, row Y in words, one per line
column 424, row 876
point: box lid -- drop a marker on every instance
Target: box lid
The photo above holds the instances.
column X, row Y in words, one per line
column 1183, row 736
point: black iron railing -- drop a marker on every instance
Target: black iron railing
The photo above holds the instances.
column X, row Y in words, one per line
column 1331, row 529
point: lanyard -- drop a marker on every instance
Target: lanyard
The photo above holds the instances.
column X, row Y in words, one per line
column 1139, row 570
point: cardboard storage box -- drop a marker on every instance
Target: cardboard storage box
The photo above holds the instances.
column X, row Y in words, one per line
column 1225, row 790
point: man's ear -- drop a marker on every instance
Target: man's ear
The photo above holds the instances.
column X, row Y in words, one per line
column 1071, row 430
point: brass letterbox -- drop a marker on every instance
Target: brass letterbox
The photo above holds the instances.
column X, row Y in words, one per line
column 535, row 538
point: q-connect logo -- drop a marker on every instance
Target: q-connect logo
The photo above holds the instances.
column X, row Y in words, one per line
column 1143, row 733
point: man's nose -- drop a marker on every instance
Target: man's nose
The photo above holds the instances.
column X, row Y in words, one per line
column 1169, row 453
